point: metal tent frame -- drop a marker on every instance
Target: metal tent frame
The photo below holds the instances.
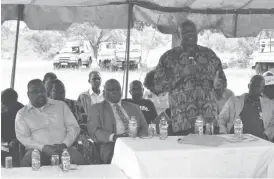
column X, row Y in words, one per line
column 183, row 11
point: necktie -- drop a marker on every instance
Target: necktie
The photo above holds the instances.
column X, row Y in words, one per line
column 122, row 116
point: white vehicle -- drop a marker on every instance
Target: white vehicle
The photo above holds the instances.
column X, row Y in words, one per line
column 263, row 60
column 74, row 54
column 106, row 54
column 134, row 58
column 113, row 55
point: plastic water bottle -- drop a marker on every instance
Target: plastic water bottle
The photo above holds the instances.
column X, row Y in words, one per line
column 199, row 125
column 35, row 160
column 163, row 127
column 133, row 127
column 238, row 129
column 65, row 159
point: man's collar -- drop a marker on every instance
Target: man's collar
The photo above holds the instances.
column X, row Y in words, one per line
column 91, row 92
column 195, row 48
column 112, row 104
column 49, row 102
column 252, row 98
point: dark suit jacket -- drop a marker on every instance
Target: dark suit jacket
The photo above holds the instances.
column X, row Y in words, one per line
column 101, row 124
column 101, row 121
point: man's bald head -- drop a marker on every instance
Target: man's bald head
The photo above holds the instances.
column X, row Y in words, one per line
column 256, row 85
column 188, row 34
column 187, row 23
column 256, row 78
column 112, row 91
column 111, row 82
column 135, row 83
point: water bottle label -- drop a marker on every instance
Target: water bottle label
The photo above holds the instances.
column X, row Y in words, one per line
column 66, row 164
column 35, row 163
column 133, row 130
column 163, row 133
column 199, row 129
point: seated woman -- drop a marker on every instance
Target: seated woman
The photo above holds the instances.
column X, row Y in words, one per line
column 58, row 92
column 9, row 108
column 47, row 78
column 222, row 96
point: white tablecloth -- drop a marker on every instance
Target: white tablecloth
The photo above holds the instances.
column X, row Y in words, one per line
column 155, row 158
column 87, row 171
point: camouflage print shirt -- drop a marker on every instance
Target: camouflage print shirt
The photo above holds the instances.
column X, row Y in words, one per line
column 189, row 83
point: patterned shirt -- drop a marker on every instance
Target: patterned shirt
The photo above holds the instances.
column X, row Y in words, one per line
column 189, row 81
column 78, row 111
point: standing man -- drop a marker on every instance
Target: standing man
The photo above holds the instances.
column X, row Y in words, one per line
column 94, row 94
column 147, row 107
column 110, row 120
column 190, row 73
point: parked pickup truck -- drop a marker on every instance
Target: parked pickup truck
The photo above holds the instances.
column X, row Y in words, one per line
column 113, row 56
column 263, row 60
column 74, row 55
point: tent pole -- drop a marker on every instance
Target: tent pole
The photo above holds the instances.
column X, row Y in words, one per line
column 20, row 12
column 130, row 8
column 235, row 25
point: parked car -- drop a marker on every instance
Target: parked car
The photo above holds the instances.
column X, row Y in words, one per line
column 74, row 54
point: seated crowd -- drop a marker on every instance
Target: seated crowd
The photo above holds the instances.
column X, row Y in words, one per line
column 90, row 126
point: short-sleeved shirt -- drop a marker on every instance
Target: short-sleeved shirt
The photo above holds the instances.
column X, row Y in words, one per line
column 147, row 107
column 189, row 80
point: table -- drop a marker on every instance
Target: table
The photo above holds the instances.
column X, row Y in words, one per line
column 155, row 158
column 84, row 171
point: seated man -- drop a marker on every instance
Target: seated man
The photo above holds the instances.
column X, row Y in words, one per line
column 147, row 107
column 47, row 125
column 110, row 118
column 9, row 108
column 256, row 112
column 58, row 92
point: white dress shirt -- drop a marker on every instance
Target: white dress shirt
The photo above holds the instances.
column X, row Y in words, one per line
column 51, row 124
column 96, row 98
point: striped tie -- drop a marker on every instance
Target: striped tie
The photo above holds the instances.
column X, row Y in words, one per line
column 122, row 116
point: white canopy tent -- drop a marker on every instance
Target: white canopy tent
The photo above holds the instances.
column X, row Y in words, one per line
column 235, row 18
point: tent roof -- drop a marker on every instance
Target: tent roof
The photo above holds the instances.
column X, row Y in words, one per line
column 238, row 18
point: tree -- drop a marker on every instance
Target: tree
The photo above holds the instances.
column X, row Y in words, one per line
column 89, row 31
column 46, row 43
